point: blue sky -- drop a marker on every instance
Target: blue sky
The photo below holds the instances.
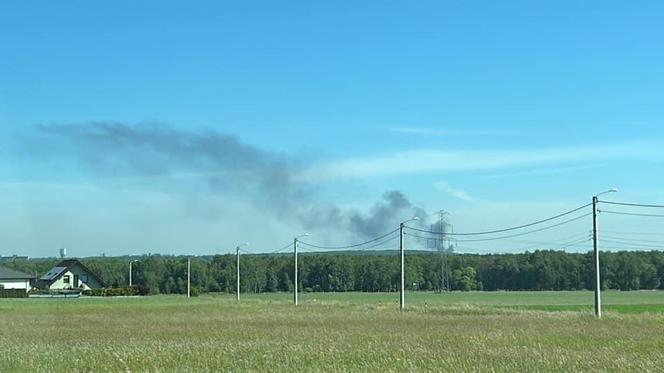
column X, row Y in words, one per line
column 499, row 112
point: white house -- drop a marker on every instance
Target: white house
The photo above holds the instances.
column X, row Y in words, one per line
column 70, row 274
column 13, row 279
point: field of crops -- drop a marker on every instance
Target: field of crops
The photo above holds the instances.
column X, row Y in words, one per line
column 356, row 332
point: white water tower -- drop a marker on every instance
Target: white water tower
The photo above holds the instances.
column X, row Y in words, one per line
column 63, row 252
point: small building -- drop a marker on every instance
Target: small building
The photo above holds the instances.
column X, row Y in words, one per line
column 70, row 274
column 12, row 279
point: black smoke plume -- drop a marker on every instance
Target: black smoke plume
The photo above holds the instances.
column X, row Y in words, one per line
column 228, row 166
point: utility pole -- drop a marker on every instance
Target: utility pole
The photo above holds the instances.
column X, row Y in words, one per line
column 237, row 293
column 188, row 277
column 402, row 293
column 450, row 248
column 441, row 249
column 598, row 296
column 237, row 268
column 295, row 282
column 402, row 263
column 131, row 272
column 598, row 282
column 295, row 301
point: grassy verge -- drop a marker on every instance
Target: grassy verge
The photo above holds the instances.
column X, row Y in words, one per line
column 338, row 333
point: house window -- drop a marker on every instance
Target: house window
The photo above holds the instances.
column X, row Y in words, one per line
column 65, row 279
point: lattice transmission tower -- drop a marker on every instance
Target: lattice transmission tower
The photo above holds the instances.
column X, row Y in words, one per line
column 444, row 244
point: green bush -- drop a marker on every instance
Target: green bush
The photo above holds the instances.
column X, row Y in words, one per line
column 112, row 292
column 142, row 290
column 37, row 291
column 13, row 293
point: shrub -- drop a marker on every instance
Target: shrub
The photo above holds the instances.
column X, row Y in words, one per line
column 13, row 293
column 37, row 291
column 195, row 292
column 112, row 292
column 142, row 290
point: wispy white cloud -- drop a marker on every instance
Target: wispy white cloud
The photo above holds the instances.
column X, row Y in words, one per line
column 454, row 192
column 543, row 171
column 430, row 161
column 426, row 131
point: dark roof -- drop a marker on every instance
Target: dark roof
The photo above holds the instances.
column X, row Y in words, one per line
column 12, row 274
column 54, row 273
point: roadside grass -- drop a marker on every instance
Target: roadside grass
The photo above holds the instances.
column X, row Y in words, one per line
column 575, row 299
column 335, row 332
column 613, row 308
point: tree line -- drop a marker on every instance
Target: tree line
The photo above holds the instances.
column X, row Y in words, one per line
column 376, row 272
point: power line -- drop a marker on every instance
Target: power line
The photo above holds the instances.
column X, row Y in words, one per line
column 473, row 251
column 553, row 245
column 632, row 214
column 289, row 245
column 306, row 250
column 629, row 246
column 380, row 243
column 468, row 250
column 276, row 251
column 377, row 239
column 578, row 243
column 626, row 243
column 566, row 245
column 375, row 245
column 632, row 204
column 558, row 245
column 349, row 246
column 562, row 241
column 558, row 241
column 515, row 235
column 634, row 233
column 633, row 239
column 507, row 229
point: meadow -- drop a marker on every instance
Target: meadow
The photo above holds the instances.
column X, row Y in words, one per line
column 506, row 331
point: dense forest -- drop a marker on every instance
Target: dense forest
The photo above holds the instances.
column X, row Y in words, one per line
column 377, row 272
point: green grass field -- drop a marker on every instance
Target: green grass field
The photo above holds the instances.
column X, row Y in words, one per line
column 529, row 331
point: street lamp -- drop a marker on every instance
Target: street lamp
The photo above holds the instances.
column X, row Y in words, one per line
column 295, row 300
column 598, row 284
column 130, row 271
column 237, row 292
column 402, row 263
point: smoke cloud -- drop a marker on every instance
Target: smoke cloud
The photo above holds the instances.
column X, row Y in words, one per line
column 226, row 166
column 395, row 206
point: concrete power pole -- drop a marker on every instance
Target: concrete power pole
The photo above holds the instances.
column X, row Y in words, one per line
column 598, row 281
column 402, row 263
column 237, row 293
column 598, row 284
column 402, row 288
column 444, row 273
column 188, row 277
column 131, row 262
column 295, row 300
column 295, row 279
